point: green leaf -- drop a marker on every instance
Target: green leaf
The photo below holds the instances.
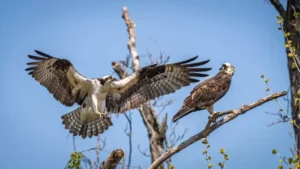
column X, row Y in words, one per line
column 204, row 141
column 290, row 160
column 226, row 157
column 266, row 80
column 274, row 151
column 222, row 150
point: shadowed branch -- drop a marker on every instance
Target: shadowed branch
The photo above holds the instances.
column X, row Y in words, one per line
column 277, row 4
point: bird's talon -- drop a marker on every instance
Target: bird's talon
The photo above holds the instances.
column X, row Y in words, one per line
column 212, row 117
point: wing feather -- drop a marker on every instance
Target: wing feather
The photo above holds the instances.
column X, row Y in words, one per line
column 59, row 77
column 152, row 82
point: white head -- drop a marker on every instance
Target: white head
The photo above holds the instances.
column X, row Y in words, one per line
column 106, row 80
column 227, row 68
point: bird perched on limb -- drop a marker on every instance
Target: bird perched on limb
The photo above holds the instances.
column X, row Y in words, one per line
column 207, row 93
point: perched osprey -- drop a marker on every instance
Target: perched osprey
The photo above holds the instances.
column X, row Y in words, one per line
column 98, row 97
column 207, row 93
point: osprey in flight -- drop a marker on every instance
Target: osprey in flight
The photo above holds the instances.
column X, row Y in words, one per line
column 98, row 97
column 207, row 93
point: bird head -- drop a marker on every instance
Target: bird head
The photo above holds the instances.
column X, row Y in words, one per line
column 227, row 68
column 107, row 80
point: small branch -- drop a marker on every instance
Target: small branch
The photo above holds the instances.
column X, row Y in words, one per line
column 113, row 159
column 279, row 7
column 129, row 134
column 173, row 138
column 205, row 133
column 74, row 144
column 282, row 118
column 96, row 162
column 143, row 152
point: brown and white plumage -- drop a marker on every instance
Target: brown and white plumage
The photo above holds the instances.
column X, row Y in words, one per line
column 59, row 77
column 207, row 93
column 98, row 97
column 91, row 125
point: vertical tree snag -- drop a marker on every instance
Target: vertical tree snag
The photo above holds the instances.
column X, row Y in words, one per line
column 156, row 130
column 293, row 6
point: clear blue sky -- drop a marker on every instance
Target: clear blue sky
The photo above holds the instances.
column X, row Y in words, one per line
column 92, row 34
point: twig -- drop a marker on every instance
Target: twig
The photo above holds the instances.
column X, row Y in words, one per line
column 129, row 134
column 282, row 118
column 143, row 152
column 74, row 144
column 173, row 138
column 96, row 162
column 205, row 133
column 96, row 148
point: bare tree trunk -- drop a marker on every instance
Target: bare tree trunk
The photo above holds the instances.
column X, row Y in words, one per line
column 293, row 6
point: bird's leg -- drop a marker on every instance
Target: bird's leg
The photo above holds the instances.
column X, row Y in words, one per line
column 95, row 105
column 213, row 114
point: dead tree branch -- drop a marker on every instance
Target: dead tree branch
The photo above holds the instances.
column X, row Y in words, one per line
column 216, row 125
column 156, row 131
column 132, row 40
column 113, row 159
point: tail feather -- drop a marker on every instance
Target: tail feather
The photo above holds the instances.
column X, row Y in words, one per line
column 90, row 128
column 183, row 111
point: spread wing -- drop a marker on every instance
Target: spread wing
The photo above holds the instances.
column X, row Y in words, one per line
column 152, row 82
column 210, row 91
column 59, row 77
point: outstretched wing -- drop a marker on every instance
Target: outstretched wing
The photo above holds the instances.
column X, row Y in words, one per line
column 59, row 77
column 152, row 82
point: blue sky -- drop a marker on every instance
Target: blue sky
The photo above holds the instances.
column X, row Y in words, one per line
column 92, row 34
